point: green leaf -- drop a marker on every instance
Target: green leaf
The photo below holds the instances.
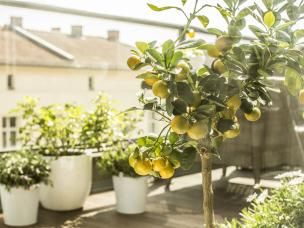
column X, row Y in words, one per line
column 146, row 75
column 216, row 142
column 141, row 141
column 173, row 137
column 202, row 71
column 180, row 107
column 224, row 125
column 176, row 58
column 263, row 73
column 168, row 45
column 208, row 109
column 168, row 51
column 204, row 20
column 184, row 92
column 184, row 2
column 186, row 157
column 155, row 55
column 190, row 44
column 293, row 80
column 215, row 31
column 299, row 34
column 256, row 30
column 292, row 12
column 268, row 4
column 142, row 46
column 246, row 11
column 285, row 25
column 156, row 8
column 224, row 12
column 229, row 3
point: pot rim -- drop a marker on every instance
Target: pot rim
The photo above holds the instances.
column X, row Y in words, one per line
column 32, row 187
column 121, row 175
column 56, row 157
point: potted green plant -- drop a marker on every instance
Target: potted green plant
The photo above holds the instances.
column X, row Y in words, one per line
column 130, row 188
column 199, row 103
column 54, row 132
column 282, row 207
column 21, row 174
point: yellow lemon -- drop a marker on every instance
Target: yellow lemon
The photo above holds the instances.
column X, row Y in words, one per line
column 160, row 89
column 213, row 52
column 167, row 172
column 133, row 62
column 180, row 125
column 196, row 99
column 143, row 167
column 234, row 102
column 223, row 43
column 183, row 71
column 198, row 131
column 151, row 81
column 218, row 66
column 254, row 115
column 269, row 19
column 159, row 164
column 230, row 134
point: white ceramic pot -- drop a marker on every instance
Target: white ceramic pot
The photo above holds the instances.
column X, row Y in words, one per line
column 71, row 178
column 20, row 206
column 131, row 194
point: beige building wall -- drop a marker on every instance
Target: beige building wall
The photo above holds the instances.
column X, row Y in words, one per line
column 59, row 85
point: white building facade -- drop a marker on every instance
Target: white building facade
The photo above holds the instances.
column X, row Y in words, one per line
column 58, row 68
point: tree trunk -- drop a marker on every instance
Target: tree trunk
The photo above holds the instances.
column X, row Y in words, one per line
column 208, row 212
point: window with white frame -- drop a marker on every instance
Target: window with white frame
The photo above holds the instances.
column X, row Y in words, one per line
column 10, row 82
column 9, row 130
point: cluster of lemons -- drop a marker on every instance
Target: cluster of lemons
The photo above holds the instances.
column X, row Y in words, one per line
column 181, row 124
column 223, row 44
column 160, row 165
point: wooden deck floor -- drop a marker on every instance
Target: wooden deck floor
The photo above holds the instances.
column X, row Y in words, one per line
column 181, row 207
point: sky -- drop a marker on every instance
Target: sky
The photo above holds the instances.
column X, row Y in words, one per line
column 129, row 33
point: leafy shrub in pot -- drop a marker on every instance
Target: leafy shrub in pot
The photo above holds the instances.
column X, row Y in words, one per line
column 130, row 188
column 283, row 207
column 21, row 173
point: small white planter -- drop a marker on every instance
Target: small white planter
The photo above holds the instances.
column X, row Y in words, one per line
column 71, row 178
column 20, row 206
column 131, row 194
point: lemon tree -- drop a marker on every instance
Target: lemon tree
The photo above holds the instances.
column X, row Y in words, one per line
column 198, row 106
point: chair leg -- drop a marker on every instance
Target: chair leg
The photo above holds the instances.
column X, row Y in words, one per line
column 224, row 171
column 167, row 187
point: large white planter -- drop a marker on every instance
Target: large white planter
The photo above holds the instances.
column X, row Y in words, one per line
column 20, row 206
column 131, row 194
column 71, row 178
